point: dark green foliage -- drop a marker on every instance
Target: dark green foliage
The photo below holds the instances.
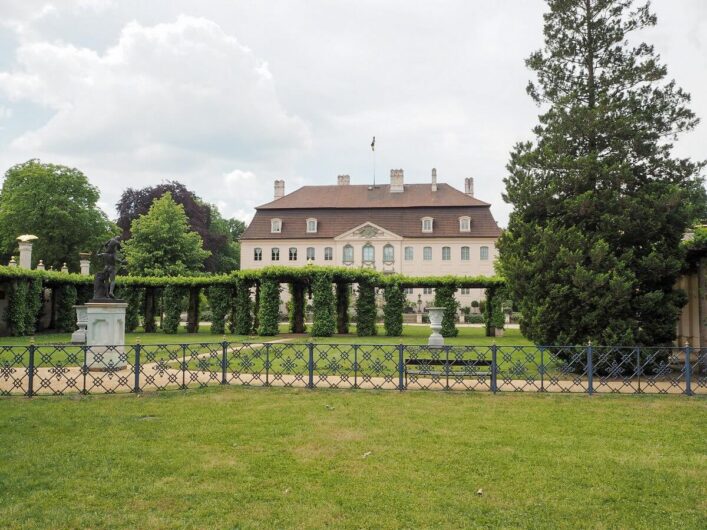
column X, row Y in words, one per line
column 268, row 312
column 132, row 295
column 149, row 310
column 242, row 312
column 343, row 296
column 592, row 250
column 444, row 297
column 193, row 310
column 17, row 311
column 296, row 309
column 35, row 302
column 366, row 310
column 220, row 301
column 65, row 312
column 393, row 310
column 172, row 299
column 324, row 323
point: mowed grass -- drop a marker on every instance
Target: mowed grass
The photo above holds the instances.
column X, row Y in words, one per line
column 284, row 458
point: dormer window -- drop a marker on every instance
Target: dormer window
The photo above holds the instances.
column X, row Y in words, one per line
column 275, row 226
column 311, row 226
column 465, row 224
column 427, row 224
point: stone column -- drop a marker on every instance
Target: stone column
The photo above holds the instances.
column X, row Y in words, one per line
column 105, row 336
column 85, row 263
column 25, row 254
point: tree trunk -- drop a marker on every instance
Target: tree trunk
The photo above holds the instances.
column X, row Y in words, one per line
column 297, row 324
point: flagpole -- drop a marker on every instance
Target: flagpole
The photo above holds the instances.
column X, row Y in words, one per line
column 373, row 148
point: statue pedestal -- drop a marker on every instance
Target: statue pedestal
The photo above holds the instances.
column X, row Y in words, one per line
column 105, row 335
column 436, row 340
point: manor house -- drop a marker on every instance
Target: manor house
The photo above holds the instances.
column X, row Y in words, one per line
column 429, row 229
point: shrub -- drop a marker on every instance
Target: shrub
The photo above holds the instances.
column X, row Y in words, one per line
column 343, row 299
column 172, row 298
column 242, row 311
column 295, row 307
column 65, row 313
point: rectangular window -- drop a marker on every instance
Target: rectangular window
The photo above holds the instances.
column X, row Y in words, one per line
column 275, row 254
column 293, row 254
column 348, row 254
column 276, row 226
column 427, row 224
column 446, row 253
column 408, row 254
column 310, row 253
column 328, row 254
column 428, row 290
column 311, row 226
column 464, row 224
column 484, row 253
column 258, row 254
column 465, row 290
column 368, row 254
column 427, row 253
column 465, row 253
column 409, row 290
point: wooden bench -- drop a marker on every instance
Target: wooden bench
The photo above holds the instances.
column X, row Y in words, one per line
column 452, row 367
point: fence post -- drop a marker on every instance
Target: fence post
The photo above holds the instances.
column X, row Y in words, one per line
column 355, row 366
column 401, row 368
column 542, row 369
column 311, row 365
column 688, row 368
column 494, row 367
column 590, row 370
column 267, row 364
column 224, row 360
column 30, row 369
column 84, row 369
column 136, row 367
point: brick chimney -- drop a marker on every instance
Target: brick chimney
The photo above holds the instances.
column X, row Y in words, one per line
column 279, row 188
column 434, row 179
column 343, row 180
column 469, row 186
column 396, row 181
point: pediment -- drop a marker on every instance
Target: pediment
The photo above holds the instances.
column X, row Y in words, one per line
column 367, row 231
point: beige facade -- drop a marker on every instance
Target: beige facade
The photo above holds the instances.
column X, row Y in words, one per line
column 692, row 325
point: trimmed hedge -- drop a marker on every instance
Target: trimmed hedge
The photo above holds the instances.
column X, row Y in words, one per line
column 343, row 298
column 219, row 297
column 324, row 324
column 297, row 307
column 172, row 299
column 366, row 310
column 269, row 309
column 393, row 310
column 242, row 311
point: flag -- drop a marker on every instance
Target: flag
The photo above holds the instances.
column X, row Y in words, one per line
column 373, row 144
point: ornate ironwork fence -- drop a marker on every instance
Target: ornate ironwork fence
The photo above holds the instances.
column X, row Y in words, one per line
column 63, row 369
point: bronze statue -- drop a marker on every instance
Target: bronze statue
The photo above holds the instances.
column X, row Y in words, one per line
column 104, row 281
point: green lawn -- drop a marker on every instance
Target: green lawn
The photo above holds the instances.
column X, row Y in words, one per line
column 277, row 458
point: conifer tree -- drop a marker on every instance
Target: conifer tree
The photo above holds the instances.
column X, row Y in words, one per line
column 600, row 202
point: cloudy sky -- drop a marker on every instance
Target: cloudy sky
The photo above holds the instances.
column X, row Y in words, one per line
column 227, row 96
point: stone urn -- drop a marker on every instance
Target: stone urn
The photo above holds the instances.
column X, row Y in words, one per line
column 79, row 336
column 436, row 340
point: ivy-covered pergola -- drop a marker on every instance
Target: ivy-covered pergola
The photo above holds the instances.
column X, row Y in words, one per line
column 251, row 298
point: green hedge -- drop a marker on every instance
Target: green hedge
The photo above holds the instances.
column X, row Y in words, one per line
column 366, row 310
column 24, row 304
column 297, row 307
column 242, row 311
column 343, row 298
column 219, row 297
column 269, row 309
column 393, row 310
column 173, row 300
column 324, row 324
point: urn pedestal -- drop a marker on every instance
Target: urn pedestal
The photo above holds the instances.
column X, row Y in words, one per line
column 436, row 340
column 105, row 335
column 79, row 336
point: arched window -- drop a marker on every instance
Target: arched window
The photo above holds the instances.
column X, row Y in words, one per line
column 427, row 253
column 275, row 254
column 369, row 253
column 388, row 253
column 328, row 254
column 348, row 254
column 257, row 254
column 310, row 253
column 446, row 253
column 408, row 254
column 484, row 253
column 293, row 254
column 465, row 253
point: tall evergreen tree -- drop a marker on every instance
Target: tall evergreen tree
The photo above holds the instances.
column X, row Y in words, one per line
column 600, row 202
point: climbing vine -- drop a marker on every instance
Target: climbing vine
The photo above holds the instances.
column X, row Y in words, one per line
column 173, row 300
column 296, row 307
column 343, row 296
column 268, row 311
column 242, row 312
column 444, row 297
column 219, row 297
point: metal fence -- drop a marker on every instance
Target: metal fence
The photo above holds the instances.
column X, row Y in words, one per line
column 64, row 369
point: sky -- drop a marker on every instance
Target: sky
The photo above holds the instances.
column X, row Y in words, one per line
column 227, row 96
